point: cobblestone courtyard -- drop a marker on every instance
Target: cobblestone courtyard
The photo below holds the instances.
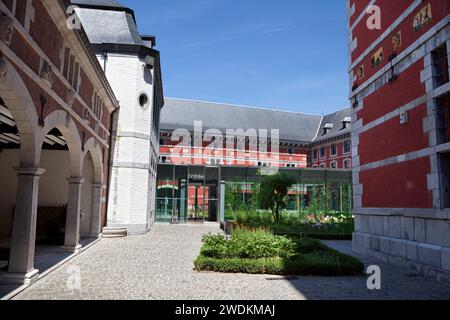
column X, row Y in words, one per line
column 160, row 266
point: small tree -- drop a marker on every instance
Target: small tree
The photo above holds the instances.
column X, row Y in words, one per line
column 273, row 193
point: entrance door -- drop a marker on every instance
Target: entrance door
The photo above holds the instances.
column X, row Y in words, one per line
column 203, row 203
column 212, row 204
column 196, row 202
column 164, row 204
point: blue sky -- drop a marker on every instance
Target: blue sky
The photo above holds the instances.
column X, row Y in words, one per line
column 285, row 54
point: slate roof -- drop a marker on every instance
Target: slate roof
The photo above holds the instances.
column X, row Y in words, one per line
column 336, row 120
column 100, row 3
column 106, row 21
column 295, row 127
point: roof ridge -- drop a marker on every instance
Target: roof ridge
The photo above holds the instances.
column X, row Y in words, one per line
column 243, row 106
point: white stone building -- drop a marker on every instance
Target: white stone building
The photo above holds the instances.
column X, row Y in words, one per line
column 132, row 67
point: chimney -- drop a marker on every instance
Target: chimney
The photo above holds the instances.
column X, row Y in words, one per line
column 327, row 128
column 346, row 122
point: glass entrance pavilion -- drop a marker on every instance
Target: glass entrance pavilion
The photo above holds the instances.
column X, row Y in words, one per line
column 214, row 194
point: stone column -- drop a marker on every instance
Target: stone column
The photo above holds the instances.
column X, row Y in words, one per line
column 96, row 210
column 23, row 242
column 72, row 239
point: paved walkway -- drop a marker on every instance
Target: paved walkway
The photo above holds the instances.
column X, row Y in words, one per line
column 159, row 266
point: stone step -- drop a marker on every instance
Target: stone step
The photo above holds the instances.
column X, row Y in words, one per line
column 114, row 232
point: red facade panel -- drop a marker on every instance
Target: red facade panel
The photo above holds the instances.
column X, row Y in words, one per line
column 392, row 138
column 439, row 9
column 360, row 6
column 402, row 185
column 390, row 11
column 45, row 33
column 390, row 97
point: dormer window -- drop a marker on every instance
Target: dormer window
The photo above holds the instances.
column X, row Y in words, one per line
column 346, row 122
column 327, row 128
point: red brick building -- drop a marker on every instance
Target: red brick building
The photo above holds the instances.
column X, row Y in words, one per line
column 219, row 142
column 304, row 140
column 55, row 124
column 399, row 79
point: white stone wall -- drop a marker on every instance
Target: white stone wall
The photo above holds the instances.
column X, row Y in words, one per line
column 53, row 185
column 86, row 197
column 130, row 201
column 8, row 189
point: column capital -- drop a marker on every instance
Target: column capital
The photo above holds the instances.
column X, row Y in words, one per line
column 29, row 171
column 75, row 180
column 99, row 186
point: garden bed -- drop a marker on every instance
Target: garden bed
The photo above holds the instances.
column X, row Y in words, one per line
column 261, row 252
column 342, row 230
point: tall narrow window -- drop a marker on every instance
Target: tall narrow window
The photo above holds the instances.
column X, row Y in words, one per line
column 347, row 146
column 71, row 67
column 440, row 65
column 443, row 118
column 66, row 63
column 347, row 164
column 75, row 76
column 323, row 152
column 21, row 11
column 9, row 4
column 445, row 179
column 334, row 150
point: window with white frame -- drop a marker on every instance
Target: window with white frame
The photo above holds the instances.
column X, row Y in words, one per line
column 71, row 69
column 347, row 164
column 347, row 146
column 314, row 154
column 334, row 165
column 443, row 118
column 444, row 159
column 334, row 150
column 440, row 65
column 323, row 153
column 323, row 166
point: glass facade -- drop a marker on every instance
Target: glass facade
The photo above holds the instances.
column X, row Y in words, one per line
column 213, row 194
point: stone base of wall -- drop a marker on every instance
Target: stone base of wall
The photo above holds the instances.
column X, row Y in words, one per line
column 132, row 229
column 421, row 258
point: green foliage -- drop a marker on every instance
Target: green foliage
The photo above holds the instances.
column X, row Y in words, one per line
column 250, row 266
column 247, row 244
column 233, row 197
column 338, row 227
column 314, row 205
column 273, row 193
column 260, row 252
column 347, row 200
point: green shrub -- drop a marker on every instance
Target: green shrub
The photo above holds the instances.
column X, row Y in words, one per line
column 248, row 244
column 237, row 265
column 261, row 252
column 259, row 244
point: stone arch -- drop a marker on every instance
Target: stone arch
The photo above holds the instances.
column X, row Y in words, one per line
column 16, row 96
column 92, row 146
column 91, row 196
column 62, row 121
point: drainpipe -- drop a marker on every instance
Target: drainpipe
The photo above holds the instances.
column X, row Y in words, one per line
column 105, row 61
column 110, row 156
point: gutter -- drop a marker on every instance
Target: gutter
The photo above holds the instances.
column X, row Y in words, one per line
column 110, row 156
